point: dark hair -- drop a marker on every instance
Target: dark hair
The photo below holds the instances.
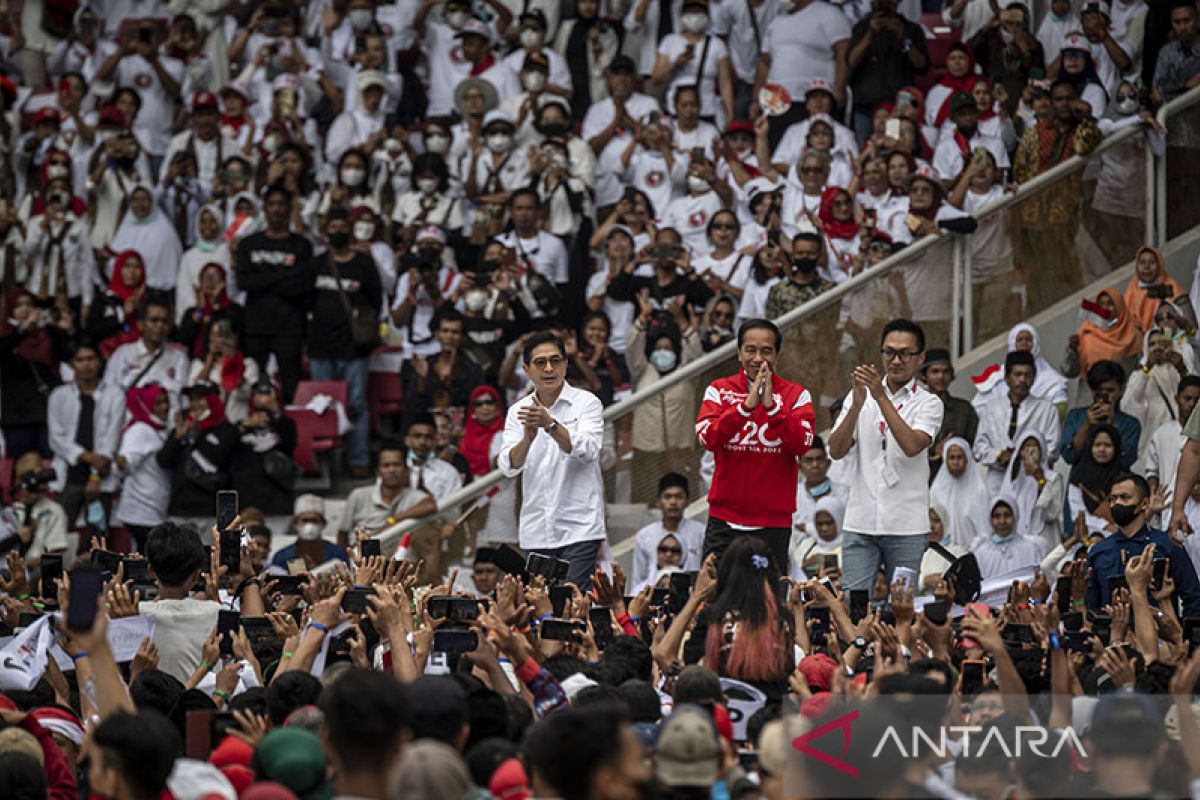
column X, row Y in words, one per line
column 566, row 749
column 1019, row 358
column 759, row 324
column 1187, row 381
column 291, row 690
column 1103, row 371
column 1138, row 481
column 563, row 666
column 737, row 222
column 686, row 87
column 698, row 685
column 806, row 237
column 525, row 191
column 438, row 709
column 421, row 418
column 277, row 188
column 432, row 163
column 634, row 652
column 901, row 325
column 818, row 444
column 366, row 714
column 129, row 90
column 155, row 690
column 538, row 339
column 603, row 695
column 483, row 757
column 22, row 777
column 673, row 480
column 642, row 700
column 988, row 760
column 175, row 554
column 153, row 300
column 142, row 748
column 390, row 444
column 450, row 314
column 600, row 315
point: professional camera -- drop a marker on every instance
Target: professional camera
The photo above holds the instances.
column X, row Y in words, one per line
column 426, row 260
column 36, row 480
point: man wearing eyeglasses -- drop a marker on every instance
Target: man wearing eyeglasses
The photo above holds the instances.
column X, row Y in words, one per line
column 552, row 438
column 888, row 426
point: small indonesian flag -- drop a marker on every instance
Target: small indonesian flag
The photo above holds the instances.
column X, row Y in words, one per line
column 985, row 380
column 239, row 227
column 1093, row 312
column 403, row 548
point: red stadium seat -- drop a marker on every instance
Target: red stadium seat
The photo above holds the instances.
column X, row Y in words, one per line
column 385, row 396
column 316, row 434
column 6, row 479
column 307, row 390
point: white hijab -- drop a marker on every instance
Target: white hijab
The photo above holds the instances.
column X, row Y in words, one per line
column 155, row 239
column 1048, row 384
column 834, row 508
column 966, row 498
column 1022, row 489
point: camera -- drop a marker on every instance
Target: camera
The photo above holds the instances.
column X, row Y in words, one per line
column 425, row 260
column 36, row 480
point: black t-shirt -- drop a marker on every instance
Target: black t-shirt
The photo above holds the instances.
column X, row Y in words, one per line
column 277, row 276
column 332, row 337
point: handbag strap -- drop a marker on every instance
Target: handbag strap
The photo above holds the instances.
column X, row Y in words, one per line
column 146, row 369
column 754, row 24
column 337, row 277
column 700, row 71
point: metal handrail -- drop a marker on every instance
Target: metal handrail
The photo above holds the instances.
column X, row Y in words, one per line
column 480, row 486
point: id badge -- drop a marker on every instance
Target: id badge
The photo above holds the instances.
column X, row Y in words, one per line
column 889, row 474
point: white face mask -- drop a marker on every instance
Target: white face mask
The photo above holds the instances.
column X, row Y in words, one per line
column 1127, row 105
column 475, row 300
column 697, row 184
column 558, row 160
column 427, row 185
column 437, row 144
column 352, row 176
column 270, row 144
column 499, row 142
column 57, row 170
column 309, row 531
column 533, row 81
column 663, row 360
column 1006, row 37
column 393, row 146
column 361, row 18
column 694, row 23
column 455, row 19
column 530, row 39
column 363, row 231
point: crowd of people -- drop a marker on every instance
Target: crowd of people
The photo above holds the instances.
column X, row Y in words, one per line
column 544, row 208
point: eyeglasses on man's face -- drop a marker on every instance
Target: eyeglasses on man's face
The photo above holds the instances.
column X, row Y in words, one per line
column 890, row 355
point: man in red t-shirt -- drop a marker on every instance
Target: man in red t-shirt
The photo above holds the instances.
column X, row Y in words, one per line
column 756, row 424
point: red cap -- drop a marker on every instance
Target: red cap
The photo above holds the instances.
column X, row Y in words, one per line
column 739, row 126
column 9, row 90
column 48, row 114
column 111, row 115
column 205, row 100
column 723, row 722
column 818, row 670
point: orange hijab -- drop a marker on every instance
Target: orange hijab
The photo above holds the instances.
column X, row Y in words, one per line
column 1140, row 305
column 1120, row 341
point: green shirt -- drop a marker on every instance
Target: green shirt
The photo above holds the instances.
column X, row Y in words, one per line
column 786, row 295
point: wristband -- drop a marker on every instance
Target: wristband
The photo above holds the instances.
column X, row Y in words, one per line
column 1078, row 604
column 77, row 656
column 546, row 616
column 205, row 666
column 23, row 597
column 220, row 693
column 286, row 654
column 319, row 626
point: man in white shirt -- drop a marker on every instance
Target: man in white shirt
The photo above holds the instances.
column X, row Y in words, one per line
column 150, row 359
column 552, row 437
column 536, row 250
column 672, row 501
column 744, row 26
column 608, row 127
column 205, row 141
column 426, row 471
column 956, row 146
column 1166, row 443
column 1004, row 422
column 888, row 426
column 42, row 523
column 814, row 466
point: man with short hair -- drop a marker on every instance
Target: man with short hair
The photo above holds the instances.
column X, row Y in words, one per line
column 756, row 424
column 387, row 501
column 552, row 438
column 954, row 148
column 536, row 249
column 610, row 125
column 1107, row 558
column 182, row 622
column 366, row 722
column 308, row 525
column 1178, row 66
column 40, row 524
column 150, row 359
column 804, row 281
column 205, row 141
column 959, row 417
column 815, row 484
column 445, row 380
column 888, row 425
column 673, row 498
column 586, row 753
column 1167, row 442
column 1004, row 423
column 132, row 755
column 1106, row 379
column 426, row 471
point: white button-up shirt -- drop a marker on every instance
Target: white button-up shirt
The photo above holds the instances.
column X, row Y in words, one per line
column 889, row 491
column 133, row 358
column 62, row 419
column 440, row 478
column 562, row 493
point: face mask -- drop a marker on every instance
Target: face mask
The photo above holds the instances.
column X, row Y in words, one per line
column 531, row 39
column 663, row 360
column 339, row 239
column 393, row 146
column 58, row 198
column 555, row 129
column 499, row 142
column 455, row 19
column 205, row 246
column 968, row 130
column 270, row 144
column 308, row 532
column 1127, row 105
column 475, row 300
column 1122, row 514
column 697, row 184
column 822, row 488
column 427, row 185
column 694, row 23
column 361, row 18
column 353, row 177
column 533, row 81
column 363, row 231
column 437, row 144
column 491, row 265
column 1006, row 37
column 998, row 539
column 558, row 160
column 57, row 170
column 804, row 264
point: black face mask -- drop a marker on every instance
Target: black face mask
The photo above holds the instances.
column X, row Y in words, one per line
column 490, row 264
column 1123, row 514
column 339, row 239
column 805, row 265
column 968, row 131
column 555, row 129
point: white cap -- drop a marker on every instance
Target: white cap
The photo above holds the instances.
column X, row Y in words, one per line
column 308, row 503
column 475, row 27
column 431, row 232
column 498, row 115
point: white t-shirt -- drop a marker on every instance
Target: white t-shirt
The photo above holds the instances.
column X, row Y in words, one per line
column 156, row 118
column 801, row 46
column 649, row 174
column 559, row 75
column 671, row 47
column 689, row 215
column 447, row 66
column 146, row 489
column 180, row 629
column 991, row 247
column 734, row 268
column 732, row 21
column 544, row 253
column 418, row 333
column 620, row 312
column 754, row 299
column 609, row 185
column 948, row 160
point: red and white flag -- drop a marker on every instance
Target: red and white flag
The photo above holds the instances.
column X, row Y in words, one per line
column 1093, row 312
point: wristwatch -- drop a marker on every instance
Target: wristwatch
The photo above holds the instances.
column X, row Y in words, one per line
column 552, row 427
column 860, row 642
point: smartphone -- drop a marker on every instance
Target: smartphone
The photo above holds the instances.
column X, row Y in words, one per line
column 228, row 622
column 980, row 155
column 972, row 677
column 550, row 568
column 136, row 569
column 829, row 562
column 601, row 619
column 288, row 584
column 231, row 551
column 227, row 508
column 297, row 566
column 455, row 642
column 891, row 128
column 906, row 575
column 86, row 584
column 658, row 598
column 679, row 590
column 453, row 609
column 1116, row 582
column 935, row 612
column 1077, row 641
column 52, row 570
column 860, row 601
column 258, row 630
column 820, row 627
column 1160, row 571
column 369, row 547
column 106, row 561
column 1072, row 621
column 27, row 618
column 559, row 597
column 354, row 601
column 198, row 733
column 206, row 567
column 1019, row 633
column 1062, row 593
column 560, row 630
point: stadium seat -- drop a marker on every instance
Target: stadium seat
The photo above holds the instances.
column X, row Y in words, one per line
column 316, row 434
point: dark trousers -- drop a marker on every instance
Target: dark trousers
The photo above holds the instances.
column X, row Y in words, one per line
column 582, row 558
column 72, row 499
column 719, row 535
column 286, row 346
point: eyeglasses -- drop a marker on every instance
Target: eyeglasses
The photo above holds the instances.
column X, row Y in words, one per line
column 879, row 247
column 890, row 355
column 724, row 226
column 667, row 550
column 485, row 401
column 548, row 361
column 811, row 170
